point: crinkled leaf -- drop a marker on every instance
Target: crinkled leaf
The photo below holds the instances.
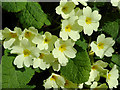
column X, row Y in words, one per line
column 12, row 78
column 13, row 6
column 97, row 4
column 0, row 76
column 111, row 28
column 82, row 44
column 77, row 70
column 116, row 59
column 33, row 15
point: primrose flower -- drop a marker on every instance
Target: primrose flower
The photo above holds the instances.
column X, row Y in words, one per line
column 116, row 3
column 10, row 37
column 55, row 81
column 89, row 20
column 64, row 50
column 43, row 61
column 83, row 2
column 45, row 41
column 95, row 86
column 26, row 52
column 97, row 69
column 65, row 8
column 29, row 33
column 103, row 46
column 70, row 28
column 112, row 77
column 99, row 66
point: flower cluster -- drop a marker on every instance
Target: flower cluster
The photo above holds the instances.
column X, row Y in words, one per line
column 38, row 50
column 47, row 50
column 76, row 20
column 98, row 70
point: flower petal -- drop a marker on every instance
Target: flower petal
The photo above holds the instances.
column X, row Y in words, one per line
column 100, row 38
column 63, row 35
column 60, row 81
column 57, row 43
column 81, row 20
column 88, row 29
column 70, row 52
column 48, row 84
column 87, row 11
column 36, row 63
column 99, row 53
column 43, row 65
column 56, row 66
column 109, row 52
column 109, row 41
column 37, row 39
column 62, row 59
column 16, row 50
column 58, row 10
column 19, row 61
column 55, row 53
column 8, row 44
column 28, row 61
column 95, row 26
column 74, row 35
column 95, row 16
column 93, row 46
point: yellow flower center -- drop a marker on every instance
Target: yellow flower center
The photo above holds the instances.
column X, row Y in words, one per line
column 88, row 20
column 68, row 28
column 94, row 67
column 100, row 45
column 41, row 56
column 46, row 40
column 13, row 35
column 62, row 48
column 26, row 52
column 65, row 9
column 109, row 76
column 28, row 34
column 53, row 78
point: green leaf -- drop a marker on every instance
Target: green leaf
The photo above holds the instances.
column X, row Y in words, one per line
column 111, row 28
column 96, row 4
column 116, row 59
column 82, row 44
column 13, row 6
column 37, row 70
column 118, row 39
column 33, row 15
column 0, row 76
column 6, row 52
column 111, row 65
column 12, row 78
column 78, row 69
